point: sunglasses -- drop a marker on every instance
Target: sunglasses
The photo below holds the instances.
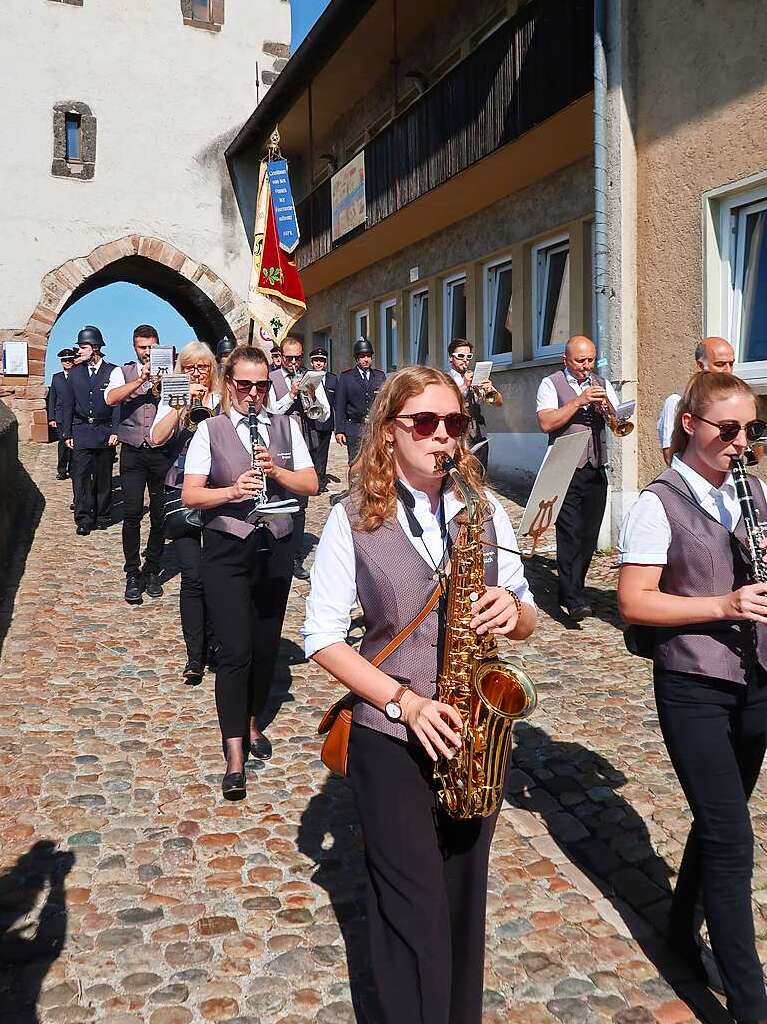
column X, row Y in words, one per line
column 729, row 429
column 467, row 357
column 425, row 423
column 261, row 386
column 292, row 359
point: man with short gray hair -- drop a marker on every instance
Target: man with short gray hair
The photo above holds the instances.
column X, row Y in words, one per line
column 713, row 354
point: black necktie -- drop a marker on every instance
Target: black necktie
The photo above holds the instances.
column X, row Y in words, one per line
column 92, row 370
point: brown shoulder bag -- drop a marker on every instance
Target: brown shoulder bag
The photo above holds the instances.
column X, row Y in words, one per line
column 337, row 720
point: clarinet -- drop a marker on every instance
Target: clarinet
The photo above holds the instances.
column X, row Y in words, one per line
column 755, row 529
column 261, row 498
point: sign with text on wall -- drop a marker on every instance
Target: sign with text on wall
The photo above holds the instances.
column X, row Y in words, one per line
column 347, row 197
column 15, row 359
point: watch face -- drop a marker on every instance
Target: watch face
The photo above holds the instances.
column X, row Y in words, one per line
column 393, row 711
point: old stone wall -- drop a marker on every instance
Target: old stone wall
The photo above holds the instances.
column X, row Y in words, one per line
column 9, row 477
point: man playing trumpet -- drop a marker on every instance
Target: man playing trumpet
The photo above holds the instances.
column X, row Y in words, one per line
column 570, row 400
column 461, row 356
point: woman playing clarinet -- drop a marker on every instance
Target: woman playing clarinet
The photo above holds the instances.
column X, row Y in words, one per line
column 685, row 571
column 246, row 556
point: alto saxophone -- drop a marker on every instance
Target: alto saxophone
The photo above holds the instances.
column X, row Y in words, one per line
column 489, row 693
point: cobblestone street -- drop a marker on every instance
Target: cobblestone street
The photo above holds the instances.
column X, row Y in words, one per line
column 131, row 893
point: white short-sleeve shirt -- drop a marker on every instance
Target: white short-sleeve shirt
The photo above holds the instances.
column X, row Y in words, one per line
column 547, row 397
column 198, row 456
column 666, row 420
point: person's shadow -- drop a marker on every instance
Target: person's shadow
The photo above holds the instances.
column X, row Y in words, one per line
column 30, row 941
column 330, row 837
column 575, row 790
column 542, row 576
column 280, row 690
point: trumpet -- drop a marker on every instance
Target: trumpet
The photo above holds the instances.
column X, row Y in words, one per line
column 311, row 406
column 198, row 412
column 621, row 428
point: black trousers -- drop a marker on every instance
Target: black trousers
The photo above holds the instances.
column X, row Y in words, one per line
column 320, row 454
column 246, row 585
column 577, row 529
column 142, row 469
column 715, row 733
column 63, row 458
column 194, row 621
column 352, row 447
column 427, row 886
column 91, row 470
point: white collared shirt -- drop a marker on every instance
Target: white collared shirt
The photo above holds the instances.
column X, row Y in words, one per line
column 95, row 367
column 547, row 393
column 645, row 535
column 117, row 380
column 666, row 420
column 211, row 401
column 198, row 454
column 334, row 588
column 457, row 377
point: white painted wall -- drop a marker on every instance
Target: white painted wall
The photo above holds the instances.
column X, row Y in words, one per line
column 167, row 98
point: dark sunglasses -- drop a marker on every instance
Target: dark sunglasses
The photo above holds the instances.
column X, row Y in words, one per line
column 262, row 386
column 292, row 359
column 425, row 423
column 729, row 429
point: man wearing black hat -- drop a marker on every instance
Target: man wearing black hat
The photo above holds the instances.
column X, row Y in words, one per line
column 89, row 428
column 58, row 382
column 142, row 466
column 276, row 358
column 355, row 391
column 318, row 358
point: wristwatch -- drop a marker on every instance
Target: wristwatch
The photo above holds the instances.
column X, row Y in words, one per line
column 393, row 708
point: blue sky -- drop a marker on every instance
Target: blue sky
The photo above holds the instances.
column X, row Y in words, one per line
column 117, row 308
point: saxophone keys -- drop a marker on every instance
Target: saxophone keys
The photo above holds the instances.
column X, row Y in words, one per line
column 473, row 596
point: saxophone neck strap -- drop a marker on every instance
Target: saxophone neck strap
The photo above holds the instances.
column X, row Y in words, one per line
column 404, row 633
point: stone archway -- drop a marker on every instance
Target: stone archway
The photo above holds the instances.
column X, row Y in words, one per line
column 199, row 294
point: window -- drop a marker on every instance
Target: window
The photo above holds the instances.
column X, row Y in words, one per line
column 207, row 14
column 551, row 296
column 361, row 322
column 419, row 328
column 74, row 141
column 201, row 10
column 73, row 138
column 454, row 310
column 748, row 297
column 322, row 339
column 498, row 309
column 389, row 335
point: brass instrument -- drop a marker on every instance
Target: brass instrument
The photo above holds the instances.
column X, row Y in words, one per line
column 621, row 428
column 312, row 408
column 261, row 497
column 197, row 413
column 489, row 693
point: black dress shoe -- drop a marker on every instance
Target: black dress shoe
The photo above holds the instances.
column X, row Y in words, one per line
column 83, row 531
column 583, row 611
column 71, row 506
column 102, row 526
column 261, row 748
column 152, row 585
column 193, row 673
column 62, row 476
column 133, row 588
column 233, row 786
column 299, row 571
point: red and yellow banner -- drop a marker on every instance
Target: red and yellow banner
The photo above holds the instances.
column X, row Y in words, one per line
column 276, row 297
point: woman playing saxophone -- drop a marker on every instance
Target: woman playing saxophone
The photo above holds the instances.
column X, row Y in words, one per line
column 687, row 551
column 428, row 871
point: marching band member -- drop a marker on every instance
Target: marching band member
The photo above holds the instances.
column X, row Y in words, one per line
column 569, row 401
column 172, row 426
column 461, row 355
column 427, row 873
column 684, row 571
column 356, row 389
column 246, row 559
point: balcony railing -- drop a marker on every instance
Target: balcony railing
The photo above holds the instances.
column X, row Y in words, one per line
column 530, row 68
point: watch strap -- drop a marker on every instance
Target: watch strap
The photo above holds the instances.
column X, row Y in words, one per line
column 398, row 695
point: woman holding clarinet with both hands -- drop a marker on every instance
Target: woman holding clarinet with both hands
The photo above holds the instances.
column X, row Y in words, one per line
column 246, row 556
column 689, row 552
column 174, row 425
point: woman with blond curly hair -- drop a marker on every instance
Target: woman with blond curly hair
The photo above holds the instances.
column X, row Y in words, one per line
column 385, row 546
column 172, row 427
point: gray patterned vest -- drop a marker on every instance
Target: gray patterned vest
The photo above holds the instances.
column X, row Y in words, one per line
column 586, row 418
column 229, row 460
column 705, row 559
column 136, row 413
column 390, row 599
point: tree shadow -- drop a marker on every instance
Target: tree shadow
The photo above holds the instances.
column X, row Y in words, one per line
column 329, row 835
column 576, row 792
column 30, row 941
column 29, row 507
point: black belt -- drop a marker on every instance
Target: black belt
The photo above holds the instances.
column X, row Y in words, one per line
column 92, row 422
column 352, row 419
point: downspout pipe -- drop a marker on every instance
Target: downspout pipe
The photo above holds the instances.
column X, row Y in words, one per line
column 600, row 253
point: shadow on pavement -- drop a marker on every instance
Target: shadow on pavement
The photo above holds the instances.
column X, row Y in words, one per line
column 329, row 836
column 282, row 682
column 541, row 573
column 33, row 927
column 602, row 835
column 30, row 504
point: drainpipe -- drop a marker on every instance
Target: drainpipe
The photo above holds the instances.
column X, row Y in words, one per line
column 599, row 255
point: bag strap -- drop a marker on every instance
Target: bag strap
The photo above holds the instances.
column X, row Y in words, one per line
column 403, row 634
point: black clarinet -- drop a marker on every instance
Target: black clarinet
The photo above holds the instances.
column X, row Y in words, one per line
column 755, row 530
column 260, row 498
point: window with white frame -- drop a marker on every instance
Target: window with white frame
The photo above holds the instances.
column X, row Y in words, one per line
column 551, row 296
column 361, row 324
column 388, row 334
column 419, row 328
column 497, row 290
column 748, row 280
column 453, row 309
